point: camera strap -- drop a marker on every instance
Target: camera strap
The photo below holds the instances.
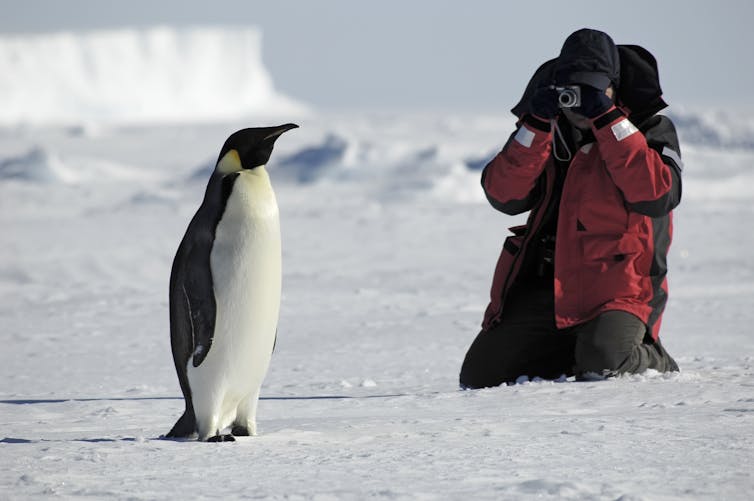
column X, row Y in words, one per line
column 558, row 134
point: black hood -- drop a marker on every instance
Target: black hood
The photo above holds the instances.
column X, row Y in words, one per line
column 638, row 85
column 588, row 57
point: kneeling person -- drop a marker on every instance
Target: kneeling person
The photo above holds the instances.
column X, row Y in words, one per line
column 580, row 289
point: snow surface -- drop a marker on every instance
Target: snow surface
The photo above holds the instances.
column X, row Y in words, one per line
column 388, row 253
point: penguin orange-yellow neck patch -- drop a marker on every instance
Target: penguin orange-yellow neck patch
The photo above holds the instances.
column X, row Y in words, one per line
column 229, row 163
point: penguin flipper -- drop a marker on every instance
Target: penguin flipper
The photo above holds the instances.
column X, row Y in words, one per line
column 202, row 311
column 199, row 297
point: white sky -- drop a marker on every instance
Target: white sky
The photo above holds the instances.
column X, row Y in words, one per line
column 473, row 55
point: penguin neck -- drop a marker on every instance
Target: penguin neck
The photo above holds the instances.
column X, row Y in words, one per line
column 258, row 173
column 252, row 189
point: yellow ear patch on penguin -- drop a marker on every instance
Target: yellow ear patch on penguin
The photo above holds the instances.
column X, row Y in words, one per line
column 230, row 163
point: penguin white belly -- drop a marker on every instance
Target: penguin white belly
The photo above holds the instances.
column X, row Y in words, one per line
column 246, row 275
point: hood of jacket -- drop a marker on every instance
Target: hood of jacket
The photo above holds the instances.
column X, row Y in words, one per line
column 639, row 92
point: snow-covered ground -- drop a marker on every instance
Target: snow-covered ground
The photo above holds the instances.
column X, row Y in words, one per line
column 388, row 248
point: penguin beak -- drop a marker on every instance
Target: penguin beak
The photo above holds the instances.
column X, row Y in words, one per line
column 279, row 130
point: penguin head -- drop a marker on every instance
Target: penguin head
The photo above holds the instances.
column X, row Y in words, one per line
column 249, row 148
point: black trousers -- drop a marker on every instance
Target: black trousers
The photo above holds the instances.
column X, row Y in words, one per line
column 527, row 342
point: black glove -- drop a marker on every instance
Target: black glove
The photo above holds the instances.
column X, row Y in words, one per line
column 594, row 102
column 544, row 103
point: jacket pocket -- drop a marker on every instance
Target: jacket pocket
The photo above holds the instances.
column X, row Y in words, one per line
column 609, row 271
column 610, row 248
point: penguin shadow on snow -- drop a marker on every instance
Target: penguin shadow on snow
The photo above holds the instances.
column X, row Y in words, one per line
column 12, row 440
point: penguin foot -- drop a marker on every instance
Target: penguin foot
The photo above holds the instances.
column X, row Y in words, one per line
column 221, row 438
column 184, row 427
column 240, row 431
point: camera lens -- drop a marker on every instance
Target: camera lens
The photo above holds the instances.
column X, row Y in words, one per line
column 567, row 98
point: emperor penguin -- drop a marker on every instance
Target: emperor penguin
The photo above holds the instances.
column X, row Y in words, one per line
column 225, row 287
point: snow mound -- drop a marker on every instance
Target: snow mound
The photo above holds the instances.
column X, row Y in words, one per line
column 386, row 166
column 38, row 166
column 310, row 162
column 478, row 163
column 715, row 128
column 137, row 75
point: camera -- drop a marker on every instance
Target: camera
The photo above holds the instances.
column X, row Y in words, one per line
column 569, row 96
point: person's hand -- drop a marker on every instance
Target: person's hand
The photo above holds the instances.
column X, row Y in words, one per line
column 594, row 102
column 544, row 103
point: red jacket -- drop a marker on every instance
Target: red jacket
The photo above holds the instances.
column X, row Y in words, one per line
column 614, row 222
